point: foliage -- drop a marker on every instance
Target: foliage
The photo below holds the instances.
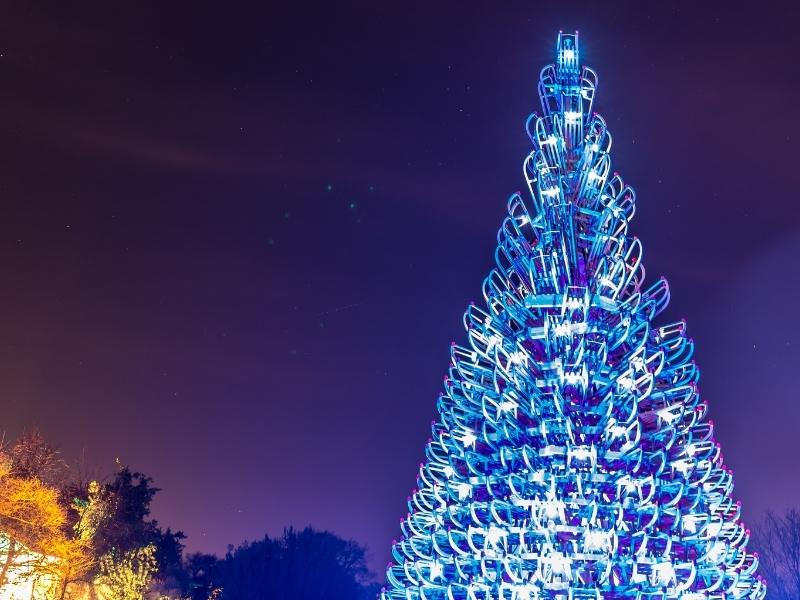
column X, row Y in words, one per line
column 115, row 518
column 92, row 512
column 128, row 574
column 31, row 513
column 778, row 541
column 300, row 565
column 128, row 496
column 81, row 533
column 33, row 518
column 88, row 536
column 33, row 457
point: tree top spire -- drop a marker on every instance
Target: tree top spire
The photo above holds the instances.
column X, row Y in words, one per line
column 567, row 57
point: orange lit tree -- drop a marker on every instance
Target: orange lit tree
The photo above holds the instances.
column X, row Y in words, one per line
column 36, row 527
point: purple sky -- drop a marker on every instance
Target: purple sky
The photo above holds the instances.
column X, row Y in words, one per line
column 236, row 244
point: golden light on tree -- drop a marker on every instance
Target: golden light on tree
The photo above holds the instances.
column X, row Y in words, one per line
column 37, row 544
column 127, row 575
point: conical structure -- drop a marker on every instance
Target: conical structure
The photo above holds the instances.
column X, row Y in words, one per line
column 572, row 457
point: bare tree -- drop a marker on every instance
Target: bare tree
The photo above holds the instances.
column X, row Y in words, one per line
column 777, row 539
column 32, row 457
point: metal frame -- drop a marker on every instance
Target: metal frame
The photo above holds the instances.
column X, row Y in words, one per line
column 572, row 458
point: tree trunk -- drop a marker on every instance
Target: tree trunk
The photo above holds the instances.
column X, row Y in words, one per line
column 63, row 587
column 7, row 563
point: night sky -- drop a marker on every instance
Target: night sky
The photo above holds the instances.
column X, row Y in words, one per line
column 237, row 241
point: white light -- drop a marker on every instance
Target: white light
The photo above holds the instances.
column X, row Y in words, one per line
column 572, row 116
column 713, row 528
column 717, row 552
column 616, row 431
column 493, row 341
column 581, row 453
column 494, row 536
column 550, row 192
column 596, row 540
column 437, row 570
column 550, row 140
column 525, row 592
column 559, row 564
column 569, row 55
column 606, row 280
column 663, row 573
column 667, row 415
column 574, row 304
column 517, row 358
column 468, row 438
column 638, row 577
column 625, row 382
column 562, row 329
column 22, row 565
column 628, row 483
column 507, row 406
column 551, row 509
column 690, row 523
column 464, row 491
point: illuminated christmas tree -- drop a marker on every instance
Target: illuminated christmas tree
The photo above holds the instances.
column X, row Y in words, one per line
column 572, row 457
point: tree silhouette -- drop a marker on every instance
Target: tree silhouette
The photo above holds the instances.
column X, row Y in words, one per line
column 300, row 565
column 778, row 541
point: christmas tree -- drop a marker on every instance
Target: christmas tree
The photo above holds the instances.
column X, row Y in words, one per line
column 572, row 457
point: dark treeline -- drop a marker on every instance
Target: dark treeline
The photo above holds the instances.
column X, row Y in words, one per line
column 300, row 564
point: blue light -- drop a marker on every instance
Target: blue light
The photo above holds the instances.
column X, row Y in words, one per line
column 567, row 54
column 572, row 458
